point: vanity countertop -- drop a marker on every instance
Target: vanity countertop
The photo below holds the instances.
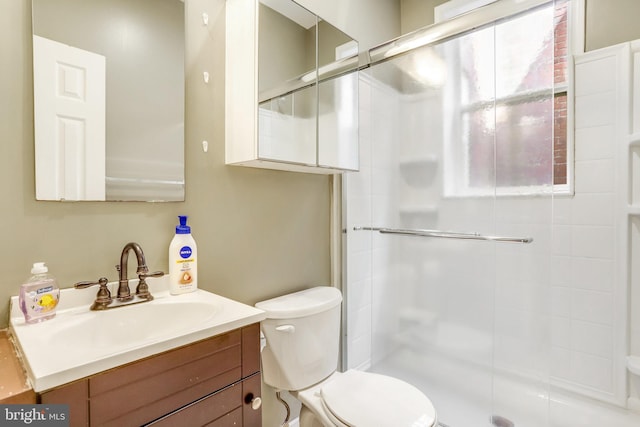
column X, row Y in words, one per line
column 78, row 342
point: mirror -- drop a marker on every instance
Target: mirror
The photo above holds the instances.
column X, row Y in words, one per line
column 109, row 99
column 307, row 89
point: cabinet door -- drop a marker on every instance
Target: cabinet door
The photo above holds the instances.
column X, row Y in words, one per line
column 287, row 127
column 252, row 408
column 277, row 53
column 250, row 350
column 338, row 122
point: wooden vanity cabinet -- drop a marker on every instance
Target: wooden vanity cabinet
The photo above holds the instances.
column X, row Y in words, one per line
column 211, row 382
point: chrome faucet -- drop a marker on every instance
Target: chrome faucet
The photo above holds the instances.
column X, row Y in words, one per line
column 124, row 296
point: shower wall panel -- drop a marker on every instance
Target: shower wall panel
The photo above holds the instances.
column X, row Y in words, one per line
column 588, row 318
column 360, row 196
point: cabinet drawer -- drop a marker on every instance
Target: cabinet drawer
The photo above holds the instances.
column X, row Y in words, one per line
column 76, row 396
column 148, row 389
column 230, row 406
column 223, row 405
column 233, row 418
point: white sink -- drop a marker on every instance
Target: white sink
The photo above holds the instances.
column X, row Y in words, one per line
column 79, row 342
column 131, row 325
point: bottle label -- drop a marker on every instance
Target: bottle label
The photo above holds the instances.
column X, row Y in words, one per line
column 38, row 300
column 44, row 290
column 185, row 265
column 185, row 252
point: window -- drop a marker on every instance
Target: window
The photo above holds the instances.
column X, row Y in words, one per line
column 508, row 132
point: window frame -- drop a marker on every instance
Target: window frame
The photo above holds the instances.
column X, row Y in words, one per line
column 575, row 45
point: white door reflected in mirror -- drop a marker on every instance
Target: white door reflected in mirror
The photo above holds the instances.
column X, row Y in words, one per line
column 69, row 111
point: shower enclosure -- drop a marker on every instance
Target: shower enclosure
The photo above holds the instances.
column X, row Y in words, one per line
column 449, row 221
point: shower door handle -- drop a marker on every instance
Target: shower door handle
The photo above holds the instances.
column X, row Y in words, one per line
column 445, row 234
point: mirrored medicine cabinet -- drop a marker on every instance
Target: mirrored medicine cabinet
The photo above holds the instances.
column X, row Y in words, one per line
column 291, row 89
column 109, row 99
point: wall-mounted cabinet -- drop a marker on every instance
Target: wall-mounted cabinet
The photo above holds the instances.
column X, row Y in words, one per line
column 291, row 89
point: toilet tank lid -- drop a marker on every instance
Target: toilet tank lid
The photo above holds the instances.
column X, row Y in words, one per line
column 302, row 303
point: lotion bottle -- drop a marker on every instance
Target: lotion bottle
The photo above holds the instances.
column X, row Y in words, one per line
column 183, row 265
column 39, row 295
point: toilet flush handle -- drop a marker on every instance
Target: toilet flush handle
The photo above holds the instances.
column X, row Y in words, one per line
column 286, row 328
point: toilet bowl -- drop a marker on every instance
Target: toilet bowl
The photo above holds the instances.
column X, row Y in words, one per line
column 300, row 355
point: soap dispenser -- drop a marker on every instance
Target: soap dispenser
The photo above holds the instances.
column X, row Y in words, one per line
column 39, row 295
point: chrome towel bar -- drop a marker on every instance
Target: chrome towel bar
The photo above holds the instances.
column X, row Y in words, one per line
column 445, row 234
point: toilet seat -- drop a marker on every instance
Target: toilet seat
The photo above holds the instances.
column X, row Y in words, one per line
column 358, row 398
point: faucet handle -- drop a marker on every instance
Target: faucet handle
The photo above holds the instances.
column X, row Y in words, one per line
column 101, row 281
column 103, row 298
column 142, row 290
column 142, row 276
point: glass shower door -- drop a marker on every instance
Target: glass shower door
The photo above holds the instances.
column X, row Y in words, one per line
column 457, row 154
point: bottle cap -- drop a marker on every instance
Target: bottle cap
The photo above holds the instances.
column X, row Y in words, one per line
column 183, row 228
column 39, row 268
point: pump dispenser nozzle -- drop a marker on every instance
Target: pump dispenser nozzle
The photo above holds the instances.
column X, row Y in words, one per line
column 183, row 228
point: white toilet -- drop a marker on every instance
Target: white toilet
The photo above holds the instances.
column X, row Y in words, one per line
column 302, row 332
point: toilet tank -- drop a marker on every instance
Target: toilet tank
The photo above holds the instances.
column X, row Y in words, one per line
column 302, row 332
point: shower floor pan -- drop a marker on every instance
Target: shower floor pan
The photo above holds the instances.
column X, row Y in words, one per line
column 462, row 394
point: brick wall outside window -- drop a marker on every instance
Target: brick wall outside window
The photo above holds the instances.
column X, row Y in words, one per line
column 560, row 56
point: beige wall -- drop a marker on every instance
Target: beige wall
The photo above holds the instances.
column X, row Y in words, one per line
column 416, row 14
column 370, row 22
column 260, row 233
column 610, row 22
